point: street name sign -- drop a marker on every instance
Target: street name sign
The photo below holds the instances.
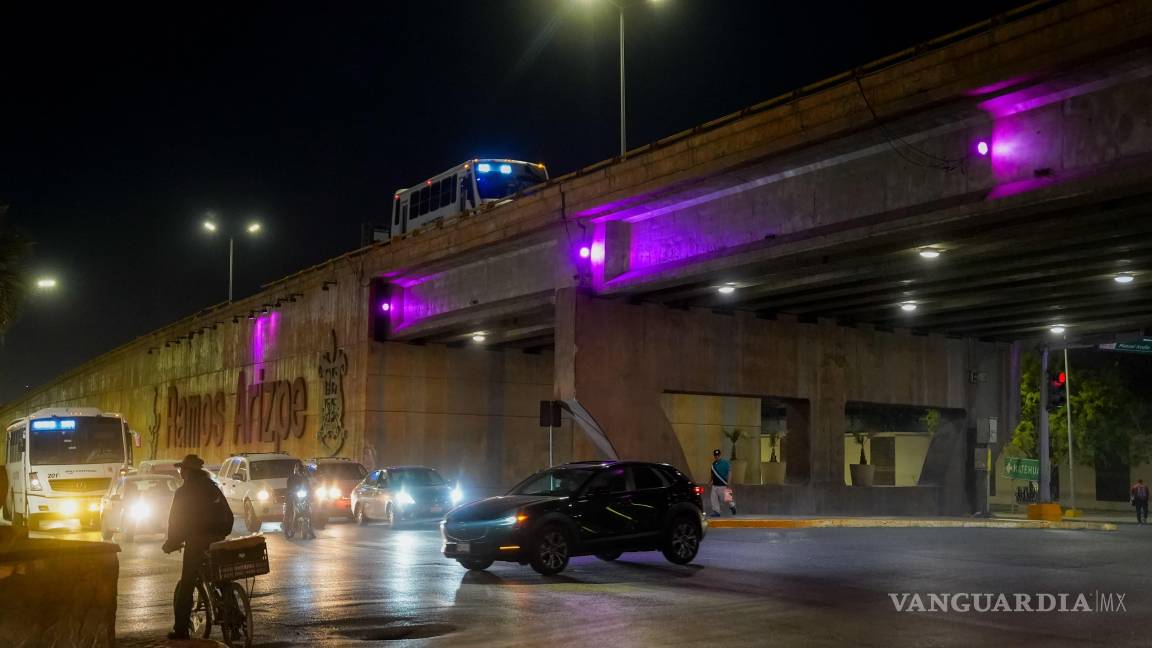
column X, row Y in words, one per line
column 1132, row 346
column 1016, row 468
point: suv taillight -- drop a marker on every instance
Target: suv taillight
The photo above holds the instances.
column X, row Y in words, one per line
column 699, row 490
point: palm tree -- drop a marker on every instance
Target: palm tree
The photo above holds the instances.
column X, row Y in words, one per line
column 14, row 250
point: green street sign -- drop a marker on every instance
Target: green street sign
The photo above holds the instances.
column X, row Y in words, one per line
column 1015, row 468
column 1134, row 346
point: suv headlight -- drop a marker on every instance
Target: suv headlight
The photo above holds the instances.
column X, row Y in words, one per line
column 262, row 495
column 457, row 495
column 139, row 511
column 404, row 499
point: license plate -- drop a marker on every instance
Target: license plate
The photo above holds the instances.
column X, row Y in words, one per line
column 436, row 509
column 463, row 547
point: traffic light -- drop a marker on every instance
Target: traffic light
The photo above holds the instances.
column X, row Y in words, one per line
column 1056, row 391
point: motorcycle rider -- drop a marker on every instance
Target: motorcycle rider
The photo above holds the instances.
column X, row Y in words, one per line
column 200, row 516
column 297, row 482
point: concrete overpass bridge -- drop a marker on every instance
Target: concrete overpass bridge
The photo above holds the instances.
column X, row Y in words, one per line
column 756, row 272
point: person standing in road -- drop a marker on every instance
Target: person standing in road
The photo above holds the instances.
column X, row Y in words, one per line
column 200, row 516
column 721, row 470
column 1140, row 501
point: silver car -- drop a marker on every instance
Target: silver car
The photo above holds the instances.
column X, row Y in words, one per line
column 404, row 493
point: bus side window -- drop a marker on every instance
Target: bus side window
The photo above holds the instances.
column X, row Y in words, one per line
column 452, row 182
column 16, row 445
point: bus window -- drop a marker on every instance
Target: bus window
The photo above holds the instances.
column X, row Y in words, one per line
column 496, row 184
column 434, row 196
column 89, row 440
column 16, row 445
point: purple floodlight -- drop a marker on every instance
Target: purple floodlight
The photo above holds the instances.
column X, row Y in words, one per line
column 585, row 251
column 982, row 147
column 385, row 307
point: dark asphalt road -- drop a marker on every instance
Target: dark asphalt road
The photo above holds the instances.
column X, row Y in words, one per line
column 818, row 587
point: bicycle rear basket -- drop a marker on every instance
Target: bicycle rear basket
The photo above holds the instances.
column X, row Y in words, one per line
column 230, row 560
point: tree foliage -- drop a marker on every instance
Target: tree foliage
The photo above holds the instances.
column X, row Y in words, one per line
column 1110, row 421
column 14, row 250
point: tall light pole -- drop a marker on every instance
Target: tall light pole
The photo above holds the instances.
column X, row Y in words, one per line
column 623, row 95
column 211, row 224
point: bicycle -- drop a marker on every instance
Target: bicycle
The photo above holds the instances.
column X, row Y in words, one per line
column 217, row 599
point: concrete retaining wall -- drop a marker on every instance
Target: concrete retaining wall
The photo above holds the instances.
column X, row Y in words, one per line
column 57, row 593
column 837, row 499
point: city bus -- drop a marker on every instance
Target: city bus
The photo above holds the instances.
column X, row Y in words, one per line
column 59, row 462
column 462, row 188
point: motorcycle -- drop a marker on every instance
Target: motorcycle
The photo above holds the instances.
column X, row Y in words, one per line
column 301, row 522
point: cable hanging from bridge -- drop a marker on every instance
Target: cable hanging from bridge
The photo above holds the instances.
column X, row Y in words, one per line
column 933, row 161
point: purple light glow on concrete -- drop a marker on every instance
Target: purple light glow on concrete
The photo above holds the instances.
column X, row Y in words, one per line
column 264, row 335
column 596, row 252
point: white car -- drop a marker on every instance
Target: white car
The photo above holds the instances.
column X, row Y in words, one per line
column 137, row 504
column 255, row 485
column 161, row 466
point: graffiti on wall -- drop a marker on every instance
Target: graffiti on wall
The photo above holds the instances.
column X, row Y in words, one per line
column 333, row 368
column 154, row 424
column 264, row 412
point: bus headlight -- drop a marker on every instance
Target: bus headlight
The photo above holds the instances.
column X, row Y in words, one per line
column 139, row 511
column 404, row 499
column 69, row 507
column 262, row 495
column 34, row 482
column 457, row 495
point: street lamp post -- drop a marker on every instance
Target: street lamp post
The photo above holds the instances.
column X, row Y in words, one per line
column 623, row 96
column 253, row 227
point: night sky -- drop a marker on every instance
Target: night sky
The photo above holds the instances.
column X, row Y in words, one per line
column 120, row 128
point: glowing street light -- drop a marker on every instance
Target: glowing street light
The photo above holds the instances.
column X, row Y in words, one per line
column 908, row 307
column 1057, row 329
column 46, row 283
column 1124, row 278
column 929, row 252
column 479, row 336
column 210, row 224
column 726, row 289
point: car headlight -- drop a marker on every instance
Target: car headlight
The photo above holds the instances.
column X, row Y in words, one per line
column 94, row 507
column 512, row 520
column 301, row 494
column 262, row 495
column 457, row 495
column 404, row 498
column 334, row 493
column 139, row 510
column 68, row 507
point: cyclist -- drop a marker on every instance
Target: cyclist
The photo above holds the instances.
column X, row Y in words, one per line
column 200, row 516
column 297, row 482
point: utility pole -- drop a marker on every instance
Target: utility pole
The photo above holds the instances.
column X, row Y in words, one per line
column 1045, row 465
column 1068, row 408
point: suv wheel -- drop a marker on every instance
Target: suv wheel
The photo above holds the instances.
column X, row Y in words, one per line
column 609, row 555
column 361, row 516
column 683, row 540
column 390, row 515
column 251, row 520
column 475, row 564
column 550, row 550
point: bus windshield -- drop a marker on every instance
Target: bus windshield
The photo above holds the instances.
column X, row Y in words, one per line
column 79, row 440
column 494, row 183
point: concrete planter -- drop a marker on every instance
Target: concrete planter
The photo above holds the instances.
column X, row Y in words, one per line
column 739, row 466
column 772, row 473
column 862, row 474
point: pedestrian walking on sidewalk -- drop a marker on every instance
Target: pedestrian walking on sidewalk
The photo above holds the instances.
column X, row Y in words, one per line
column 1140, row 501
column 721, row 491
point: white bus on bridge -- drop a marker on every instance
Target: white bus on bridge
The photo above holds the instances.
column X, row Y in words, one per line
column 462, row 188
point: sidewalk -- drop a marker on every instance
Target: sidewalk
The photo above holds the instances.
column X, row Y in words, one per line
column 809, row 522
column 161, row 642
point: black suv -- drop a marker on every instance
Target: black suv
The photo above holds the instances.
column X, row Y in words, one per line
column 603, row 508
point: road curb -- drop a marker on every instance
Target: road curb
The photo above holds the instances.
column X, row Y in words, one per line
column 900, row 523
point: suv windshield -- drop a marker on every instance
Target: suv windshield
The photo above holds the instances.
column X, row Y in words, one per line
column 272, row 468
column 560, row 482
column 79, row 440
column 161, row 487
column 414, row 478
column 347, row 471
